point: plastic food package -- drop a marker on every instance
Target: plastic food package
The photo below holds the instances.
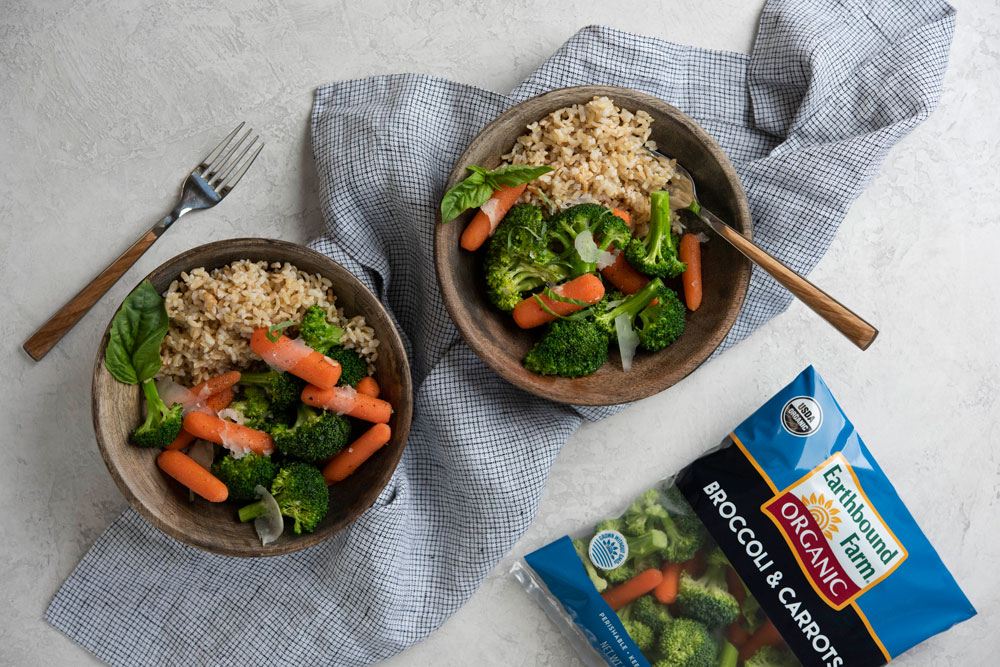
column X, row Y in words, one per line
column 784, row 545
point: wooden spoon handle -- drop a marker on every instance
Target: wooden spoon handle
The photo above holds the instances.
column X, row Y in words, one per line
column 59, row 324
column 843, row 319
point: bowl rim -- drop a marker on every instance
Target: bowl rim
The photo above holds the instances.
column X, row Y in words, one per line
column 304, row 540
column 463, row 320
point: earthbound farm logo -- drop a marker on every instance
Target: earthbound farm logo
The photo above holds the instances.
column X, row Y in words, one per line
column 840, row 541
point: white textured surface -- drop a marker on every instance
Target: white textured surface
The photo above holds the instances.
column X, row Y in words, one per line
column 105, row 105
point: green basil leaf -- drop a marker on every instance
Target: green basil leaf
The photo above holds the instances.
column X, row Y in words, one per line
column 479, row 186
column 137, row 330
column 513, row 175
column 464, row 196
column 274, row 331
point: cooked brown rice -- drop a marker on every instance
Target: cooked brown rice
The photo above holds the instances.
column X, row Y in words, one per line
column 212, row 315
column 597, row 153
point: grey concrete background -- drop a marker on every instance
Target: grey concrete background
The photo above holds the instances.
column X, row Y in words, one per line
column 104, row 106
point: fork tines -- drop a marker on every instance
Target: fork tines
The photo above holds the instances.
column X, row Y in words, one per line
column 221, row 169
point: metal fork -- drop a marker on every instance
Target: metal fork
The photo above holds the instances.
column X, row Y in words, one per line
column 684, row 196
column 206, row 186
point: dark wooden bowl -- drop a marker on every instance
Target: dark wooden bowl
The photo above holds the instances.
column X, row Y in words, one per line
column 117, row 408
column 726, row 273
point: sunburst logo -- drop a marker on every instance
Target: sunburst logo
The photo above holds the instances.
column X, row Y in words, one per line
column 823, row 512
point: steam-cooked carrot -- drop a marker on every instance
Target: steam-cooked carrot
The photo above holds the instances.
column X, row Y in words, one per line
column 368, row 386
column 213, row 386
column 765, row 635
column 346, row 462
column 215, row 402
column 587, row 288
column 188, row 472
column 690, row 253
column 623, row 276
column 666, row 590
column 348, row 401
column 485, row 222
column 297, row 358
column 228, row 434
column 633, row 589
column 623, row 215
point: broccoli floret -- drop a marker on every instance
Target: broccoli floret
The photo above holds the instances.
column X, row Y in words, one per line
column 661, row 323
column 651, row 613
column 772, row 656
column 648, row 512
column 641, row 634
column 255, row 406
column 301, row 494
column 607, row 229
column 680, row 509
column 317, row 332
column 283, row 389
column 518, row 259
column 315, row 435
column 599, row 582
column 569, row 348
column 610, row 524
column 162, row 423
column 707, row 598
column 687, row 643
column 241, row 476
column 656, row 255
column 631, row 305
column 352, row 367
column 620, row 574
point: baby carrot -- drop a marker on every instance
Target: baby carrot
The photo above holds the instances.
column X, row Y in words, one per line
column 188, row 472
column 368, row 386
column 297, row 358
column 666, row 590
column 623, row 276
column 633, row 589
column 228, row 434
column 215, row 402
column 766, row 634
column 623, row 215
column 348, row 401
column 213, row 386
column 489, row 215
column 587, row 288
column 356, row 453
column 690, row 252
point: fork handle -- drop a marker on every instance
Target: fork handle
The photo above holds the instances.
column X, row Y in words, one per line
column 843, row 319
column 59, row 324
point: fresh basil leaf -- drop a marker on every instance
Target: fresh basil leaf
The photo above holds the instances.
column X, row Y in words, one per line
column 513, row 175
column 464, row 196
column 138, row 328
column 480, row 185
column 274, row 331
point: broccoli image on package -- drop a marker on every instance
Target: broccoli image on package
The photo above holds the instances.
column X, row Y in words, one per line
column 785, row 545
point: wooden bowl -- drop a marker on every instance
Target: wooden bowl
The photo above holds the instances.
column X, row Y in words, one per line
column 493, row 335
column 117, row 408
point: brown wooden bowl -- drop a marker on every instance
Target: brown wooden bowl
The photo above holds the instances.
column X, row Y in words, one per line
column 117, row 408
column 501, row 344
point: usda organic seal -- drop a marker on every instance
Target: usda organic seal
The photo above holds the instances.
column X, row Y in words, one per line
column 608, row 549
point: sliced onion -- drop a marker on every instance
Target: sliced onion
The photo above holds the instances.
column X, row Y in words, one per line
column 270, row 525
column 171, row 393
column 232, row 415
column 628, row 341
column 607, row 258
column 492, row 210
column 589, row 252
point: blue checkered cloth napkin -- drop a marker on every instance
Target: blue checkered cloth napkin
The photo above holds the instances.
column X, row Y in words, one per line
column 807, row 119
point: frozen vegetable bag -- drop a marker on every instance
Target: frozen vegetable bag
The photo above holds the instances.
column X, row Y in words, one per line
column 785, row 544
